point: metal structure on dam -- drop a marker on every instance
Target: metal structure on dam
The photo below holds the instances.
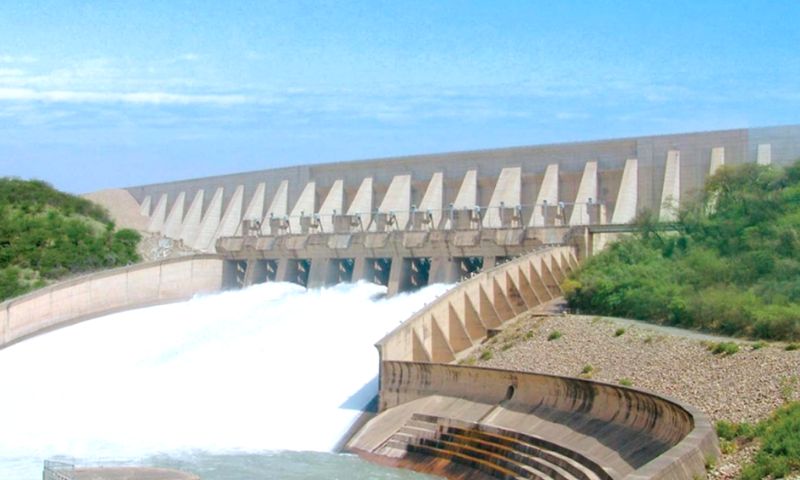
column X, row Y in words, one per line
column 407, row 221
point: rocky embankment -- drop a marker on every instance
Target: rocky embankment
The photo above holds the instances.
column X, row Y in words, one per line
column 745, row 386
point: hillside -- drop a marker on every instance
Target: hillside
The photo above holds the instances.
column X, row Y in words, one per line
column 732, row 267
column 46, row 235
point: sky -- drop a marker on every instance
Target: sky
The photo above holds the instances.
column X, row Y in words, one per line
column 102, row 94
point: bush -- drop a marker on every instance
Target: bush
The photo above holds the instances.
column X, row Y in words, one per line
column 792, row 347
column 554, row 335
column 626, row 382
column 46, row 234
column 486, row 355
column 779, row 455
column 724, row 348
column 587, row 369
column 731, row 266
column 731, row 431
column 619, row 332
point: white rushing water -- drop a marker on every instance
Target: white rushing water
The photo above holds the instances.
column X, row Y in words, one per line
column 272, row 367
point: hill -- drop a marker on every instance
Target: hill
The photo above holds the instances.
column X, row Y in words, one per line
column 732, row 266
column 46, row 235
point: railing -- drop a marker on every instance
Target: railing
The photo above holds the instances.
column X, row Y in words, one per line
column 58, row 470
column 418, row 219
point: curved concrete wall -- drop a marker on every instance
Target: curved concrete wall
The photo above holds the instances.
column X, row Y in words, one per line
column 109, row 291
column 631, row 433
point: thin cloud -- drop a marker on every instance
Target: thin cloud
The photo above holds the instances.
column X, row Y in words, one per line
column 11, row 72
column 141, row 98
column 17, row 59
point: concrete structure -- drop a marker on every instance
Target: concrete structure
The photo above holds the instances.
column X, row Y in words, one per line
column 563, row 184
column 55, row 470
column 437, row 416
column 475, row 422
column 106, row 292
column 452, row 215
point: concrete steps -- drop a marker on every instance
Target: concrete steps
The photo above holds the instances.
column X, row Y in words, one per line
column 493, row 451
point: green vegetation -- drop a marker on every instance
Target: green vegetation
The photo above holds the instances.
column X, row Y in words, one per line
column 619, row 332
column 792, row 346
column 724, row 348
column 486, row 355
column 787, row 387
column 554, row 335
column 587, row 369
column 46, row 235
column 759, row 345
column 779, row 455
column 732, row 266
column 626, row 382
column 529, row 334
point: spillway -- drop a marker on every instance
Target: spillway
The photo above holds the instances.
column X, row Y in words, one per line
column 250, row 374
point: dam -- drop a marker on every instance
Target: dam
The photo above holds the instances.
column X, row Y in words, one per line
column 507, row 226
column 403, row 222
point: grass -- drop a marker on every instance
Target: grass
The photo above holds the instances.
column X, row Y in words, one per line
column 779, row 455
column 787, row 387
column 529, row 334
column 626, row 382
column 727, row 447
column 619, row 332
column 486, row 355
column 554, row 335
column 723, row 348
column 587, row 369
column 792, row 346
column 759, row 345
column 648, row 339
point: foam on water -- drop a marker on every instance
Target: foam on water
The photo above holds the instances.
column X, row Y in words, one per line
column 272, row 367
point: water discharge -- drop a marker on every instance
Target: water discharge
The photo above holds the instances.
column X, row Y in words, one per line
column 270, row 368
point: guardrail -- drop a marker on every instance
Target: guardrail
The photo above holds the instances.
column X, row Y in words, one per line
column 58, row 470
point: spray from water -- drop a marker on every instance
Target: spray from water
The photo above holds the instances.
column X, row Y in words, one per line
column 272, row 367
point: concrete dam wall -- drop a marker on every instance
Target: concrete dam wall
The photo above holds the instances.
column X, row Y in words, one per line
column 471, row 422
column 409, row 221
column 595, row 182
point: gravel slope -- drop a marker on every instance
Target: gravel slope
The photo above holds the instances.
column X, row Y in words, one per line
column 745, row 386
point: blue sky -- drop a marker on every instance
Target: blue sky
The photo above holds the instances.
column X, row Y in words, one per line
column 105, row 94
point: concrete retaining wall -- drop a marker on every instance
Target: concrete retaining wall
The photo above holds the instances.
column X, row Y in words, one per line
column 629, row 432
column 101, row 293
column 461, row 318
